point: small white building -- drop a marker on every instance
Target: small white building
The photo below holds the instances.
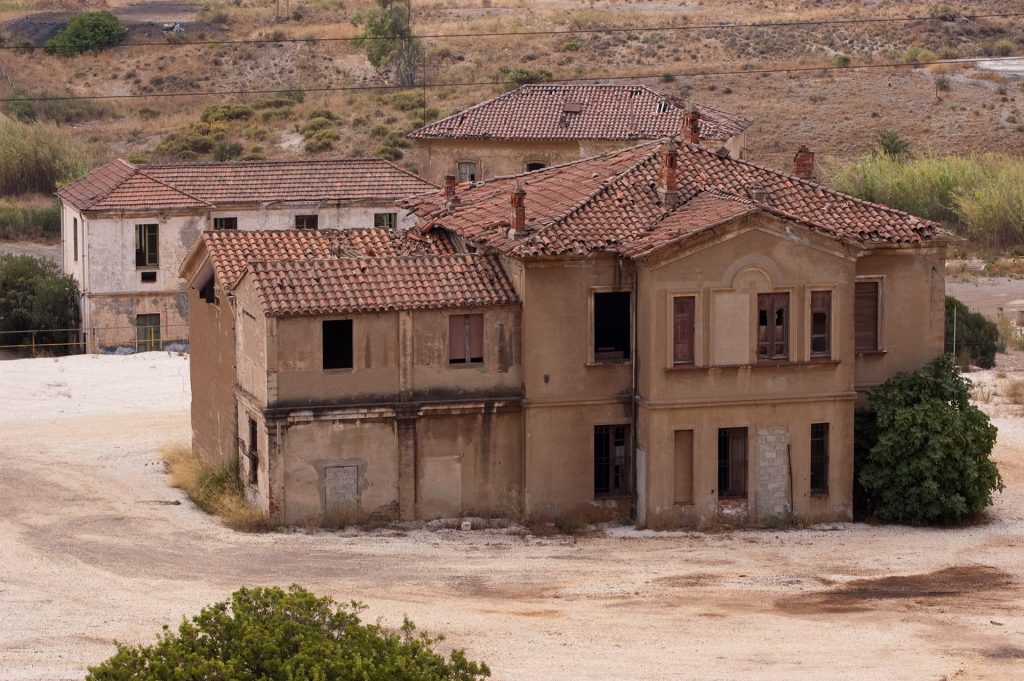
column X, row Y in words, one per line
column 125, row 228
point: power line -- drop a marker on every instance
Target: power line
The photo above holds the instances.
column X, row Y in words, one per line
column 634, row 29
column 355, row 88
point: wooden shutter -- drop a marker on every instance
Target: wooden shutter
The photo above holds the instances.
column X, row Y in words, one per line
column 865, row 322
column 682, row 329
column 457, row 338
column 476, row 337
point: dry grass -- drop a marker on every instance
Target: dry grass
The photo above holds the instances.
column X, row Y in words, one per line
column 1013, row 392
column 215, row 489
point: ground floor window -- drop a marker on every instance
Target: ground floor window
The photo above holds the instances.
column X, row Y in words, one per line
column 732, row 463
column 819, row 458
column 147, row 332
column 253, row 453
column 612, row 461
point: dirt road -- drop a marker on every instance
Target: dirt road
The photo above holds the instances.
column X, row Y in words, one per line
column 92, row 550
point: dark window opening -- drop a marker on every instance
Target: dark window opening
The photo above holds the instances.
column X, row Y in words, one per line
column 865, row 321
column 821, row 323
column 385, row 220
column 682, row 329
column 612, row 461
column 465, row 338
column 732, row 463
column 225, row 223
column 663, row 107
column 74, row 231
column 307, row 222
column 611, row 326
column 147, row 246
column 208, row 292
column 772, row 326
column 147, row 332
column 536, row 165
column 253, row 453
column 148, row 277
column 466, row 171
column 337, row 340
column 819, row 458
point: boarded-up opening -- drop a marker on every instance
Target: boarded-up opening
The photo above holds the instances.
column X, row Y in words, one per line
column 732, row 463
column 341, row 494
column 684, row 467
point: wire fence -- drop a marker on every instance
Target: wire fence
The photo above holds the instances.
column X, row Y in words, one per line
column 103, row 339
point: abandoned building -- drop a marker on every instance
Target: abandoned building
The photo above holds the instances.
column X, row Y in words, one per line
column 662, row 330
column 536, row 126
column 126, row 227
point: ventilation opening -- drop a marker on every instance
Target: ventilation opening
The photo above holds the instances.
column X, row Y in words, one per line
column 148, row 277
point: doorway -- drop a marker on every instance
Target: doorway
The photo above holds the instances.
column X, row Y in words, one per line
column 732, row 463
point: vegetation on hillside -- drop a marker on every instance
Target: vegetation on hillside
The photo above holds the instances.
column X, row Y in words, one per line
column 37, row 219
column 85, row 32
column 38, row 157
column 388, row 40
column 35, row 295
column 269, row 634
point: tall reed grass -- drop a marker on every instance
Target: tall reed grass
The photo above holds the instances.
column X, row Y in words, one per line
column 30, row 220
column 38, row 157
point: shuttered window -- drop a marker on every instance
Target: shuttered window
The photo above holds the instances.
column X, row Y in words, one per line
column 865, row 321
column 465, row 338
column 821, row 323
column 773, row 326
column 682, row 329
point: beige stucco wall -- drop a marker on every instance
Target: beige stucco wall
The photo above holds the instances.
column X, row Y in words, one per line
column 212, row 375
column 348, row 215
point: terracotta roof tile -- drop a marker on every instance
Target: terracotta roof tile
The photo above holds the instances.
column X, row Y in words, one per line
column 605, row 112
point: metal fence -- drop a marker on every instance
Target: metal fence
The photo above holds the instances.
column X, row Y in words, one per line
column 108, row 339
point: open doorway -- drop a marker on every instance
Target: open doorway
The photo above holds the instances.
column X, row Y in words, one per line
column 732, row 463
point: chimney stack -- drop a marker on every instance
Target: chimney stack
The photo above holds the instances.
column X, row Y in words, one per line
column 518, row 223
column 803, row 163
column 450, row 198
column 691, row 126
column 668, row 173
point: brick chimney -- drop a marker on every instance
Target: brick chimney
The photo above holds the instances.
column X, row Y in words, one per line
column 518, row 223
column 803, row 163
column 450, row 199
column 691, row 126
column 668, row 173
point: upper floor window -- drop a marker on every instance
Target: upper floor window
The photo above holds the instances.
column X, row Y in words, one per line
column 865, row 316
column 821, row 323
column 683, row 308
column 337, row 344
column 611, row 326
column 772, row 326
column 466, row 171
column 465, row 338
column 535, row 165
column 225, row 223
column 74, row 231
column 307, row 221
column 147, row 245
column 385, row 220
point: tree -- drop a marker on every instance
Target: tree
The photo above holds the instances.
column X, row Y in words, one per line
column 271, row 634
column 930, row 464
column 34, row 295
column 976, row 337
column 87, row 31
column 891, row 144
column 388, row 40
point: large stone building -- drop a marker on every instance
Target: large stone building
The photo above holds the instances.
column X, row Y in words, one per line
column 663, row 330
column 536, row 126
column 125, row 228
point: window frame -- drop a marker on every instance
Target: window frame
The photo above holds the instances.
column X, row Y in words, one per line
column 458, row 170
column 225, row 223
column 153, row 342
column 608, row 434
column 392, row 220
column 468, row 332
column 727, row 434
column 306, row 219
column 829, row 331
column 253, row 452
column 351, row 345
column 143, row 241
column 879, row 283
column 74, row 232
column 819, row 458
column 593, row 358
column 674, row 359
column 773, row 298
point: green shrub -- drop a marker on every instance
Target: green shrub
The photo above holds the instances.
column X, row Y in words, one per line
column 227, row 112
column 322, row 113
column 572, row 45
column 389, row 152
column 524, row 76
column 931, row 464
column 59, row 110
column 892, row 144
column 841, row 60
column 225, row 151
column 314, row 124
column 37, row 157
column 918, row 55
column 35, row 295
column 87, row 31
column 976, row 336
column 269, row 633
column 281, row 114
column 407, row 101
column 274, row 103
column 942, row 83
column 379, row 131
column 19, row 221
column 1003, row 48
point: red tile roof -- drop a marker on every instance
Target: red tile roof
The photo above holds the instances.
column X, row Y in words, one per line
column 120, row 185
column 609, row 202
column 605, row 112
column 345, row 285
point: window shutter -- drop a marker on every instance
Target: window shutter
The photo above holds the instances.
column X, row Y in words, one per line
column 682, row 319
column 865, row 321
column 821, row 323
column 457, row 338
column 476, row 336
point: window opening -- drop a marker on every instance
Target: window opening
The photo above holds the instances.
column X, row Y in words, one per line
column 148, row 277
column 821, row 323
column 683, row 308
column 865, row 320
column 819, row 458
column 147, row 246
column 385, row 220
column 465, row 338
column 147, row 332
column 732, row 463
column 225, row 223
column 466, row 171
column 611, row 326
column 337, row 344
column 253, row 453
column 307, row 222
column 611, row 461
column 534, row 166
column 74, row 230
column 772, row 326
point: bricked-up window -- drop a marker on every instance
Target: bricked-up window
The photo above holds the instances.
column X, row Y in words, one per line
column 612, row 461
column 465, row 338
column 225, row 223
column 682, row 329
column 865, row 316
column 307, row 222
column 772, row 326
column 74, row 231
column 253, row 453
column 147, row 245
column 147, row 332
column 821, row 323
column 611, row 326
column 732, row 463
column 466, row 171
column 385, row 220
column 819, row 458
column 337, row 341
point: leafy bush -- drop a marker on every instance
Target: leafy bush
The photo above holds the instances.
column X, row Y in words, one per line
column 225, row 151
column 227, row 112
column 930, row 464
column 37, row 157
column 269, row 633
column 977, row 338
column 942, row 83
column 35, row 295
column 572, row 45
column 918, row 55
column 27, row 221
column 890, row 143
column 87, row 31
column 841, row 60
column 524, row 76
column 314, row 124
column 322, row 113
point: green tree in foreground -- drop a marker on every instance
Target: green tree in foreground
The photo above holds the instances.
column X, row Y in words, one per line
column 388, row 40
column 35, row 295
column 87, row 31
column 271, row 634
column 930, row 464
column 977, row 338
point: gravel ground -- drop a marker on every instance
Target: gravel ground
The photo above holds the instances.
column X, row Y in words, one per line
column 95, row 549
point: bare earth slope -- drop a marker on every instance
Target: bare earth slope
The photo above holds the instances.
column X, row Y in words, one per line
column 93, row 551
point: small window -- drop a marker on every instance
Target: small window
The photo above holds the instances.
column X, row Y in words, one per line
column 465, row 338
column 663, row 107
column 147, row 245
column 208, row 292
column 612, row 461
column 254, row 453
column 225, row 223
column 732, row 463
column 337, row 344
column 819, row 458
column 772, row 326
column 466, row 171
column 385, row 220
column 149, row 277
column 865, row 322
column 536, row 165
column 147, row 332
column 611, row 326
column 307, row 222
column 682, row 329
column 821, row 323
column 74, row 231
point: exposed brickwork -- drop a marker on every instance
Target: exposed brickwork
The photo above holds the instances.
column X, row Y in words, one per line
column 773, row 487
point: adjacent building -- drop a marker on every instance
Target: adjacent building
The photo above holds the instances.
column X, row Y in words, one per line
column 125, row 229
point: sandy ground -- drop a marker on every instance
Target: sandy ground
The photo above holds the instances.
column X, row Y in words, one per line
column 33, row 248
column 93, row 551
